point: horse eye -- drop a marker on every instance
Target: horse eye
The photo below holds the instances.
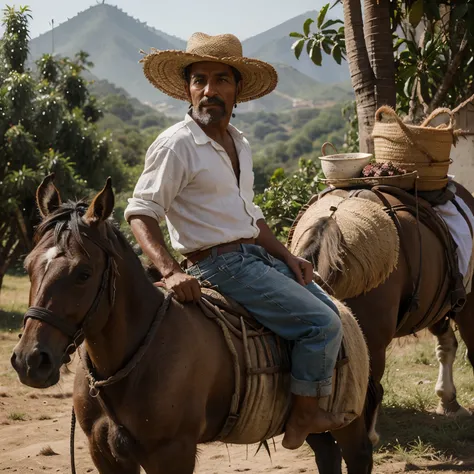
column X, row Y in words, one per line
column 83, row 277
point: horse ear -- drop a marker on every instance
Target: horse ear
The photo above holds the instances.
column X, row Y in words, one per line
column 102, row 205
column 47, row 196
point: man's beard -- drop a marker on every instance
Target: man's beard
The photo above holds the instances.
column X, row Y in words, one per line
column 211, row 115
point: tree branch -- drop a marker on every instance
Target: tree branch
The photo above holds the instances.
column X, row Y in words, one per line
column 449, row 76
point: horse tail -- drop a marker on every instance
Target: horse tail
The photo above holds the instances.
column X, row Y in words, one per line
column 324, row 247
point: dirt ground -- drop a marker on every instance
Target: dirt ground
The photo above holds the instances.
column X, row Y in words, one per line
column 35, row 424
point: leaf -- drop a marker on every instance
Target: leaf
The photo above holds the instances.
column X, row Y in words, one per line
column 412, row 47
column 432, row 9
column 316, row 55
column 322, row 14
column 336, row 53
column 331, row 23
column 295, row 34
column 409, row 71
column 306, row 26
column 298, row 47
column 416, row 13
column 408, row 87
column 458, row 12
column 329, row 32
column 326, row 46
column 309, row 46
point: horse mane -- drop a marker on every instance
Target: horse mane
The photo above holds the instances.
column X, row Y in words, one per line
column 68, row 217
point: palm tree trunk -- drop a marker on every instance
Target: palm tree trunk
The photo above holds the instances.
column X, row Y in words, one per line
column 379, row 43
column 362, row 76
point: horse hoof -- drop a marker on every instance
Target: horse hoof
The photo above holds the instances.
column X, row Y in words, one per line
column 453, row 410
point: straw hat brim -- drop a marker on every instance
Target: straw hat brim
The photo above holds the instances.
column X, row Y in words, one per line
column 164, row 69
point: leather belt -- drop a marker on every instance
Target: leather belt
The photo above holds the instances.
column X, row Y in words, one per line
column 195, row 257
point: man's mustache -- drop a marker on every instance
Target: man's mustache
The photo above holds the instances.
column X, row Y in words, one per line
column 211, row 101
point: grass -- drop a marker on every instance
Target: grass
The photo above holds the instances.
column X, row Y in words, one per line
column 17, row 416
column 47, row 451
column 409, row 427
column 13, row 301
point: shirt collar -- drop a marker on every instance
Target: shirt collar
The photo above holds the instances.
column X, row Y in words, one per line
column 200, row 136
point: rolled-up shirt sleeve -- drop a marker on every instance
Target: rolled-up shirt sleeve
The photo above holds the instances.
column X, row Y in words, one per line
column 258, row 213
column 163, row 177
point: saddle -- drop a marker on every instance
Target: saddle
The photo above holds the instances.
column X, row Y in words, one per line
column 262, row 411
column 423, row 211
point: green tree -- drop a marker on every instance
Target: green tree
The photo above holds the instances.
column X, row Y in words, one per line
column 391, row 62
column 286, row 194
column 47, row 124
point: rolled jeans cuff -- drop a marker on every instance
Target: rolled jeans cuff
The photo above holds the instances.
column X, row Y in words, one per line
column 305, row 388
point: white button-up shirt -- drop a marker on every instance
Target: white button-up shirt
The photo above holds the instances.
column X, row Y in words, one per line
column 188, row 179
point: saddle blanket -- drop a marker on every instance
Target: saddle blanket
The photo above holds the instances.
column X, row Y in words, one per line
column 461, row 234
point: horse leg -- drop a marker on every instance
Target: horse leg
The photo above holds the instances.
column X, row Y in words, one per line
column 106, row 461
column 326, row 452
column 446, row 354
column 465, row 323
column 174, row 457
column 356, row 447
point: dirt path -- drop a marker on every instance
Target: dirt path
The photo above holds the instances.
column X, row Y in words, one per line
column 35, row 424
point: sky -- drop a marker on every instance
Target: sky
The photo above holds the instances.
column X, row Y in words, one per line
column 181, row 18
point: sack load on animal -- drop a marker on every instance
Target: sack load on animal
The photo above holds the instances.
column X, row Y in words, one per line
column 266, row 401
column 368, row 236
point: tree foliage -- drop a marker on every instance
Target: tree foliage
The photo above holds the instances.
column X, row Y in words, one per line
column 47, row 124
column 287, row 193
column 433, row 49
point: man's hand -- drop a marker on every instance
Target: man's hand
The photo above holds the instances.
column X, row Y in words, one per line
column 302, row 269
column 186, row 287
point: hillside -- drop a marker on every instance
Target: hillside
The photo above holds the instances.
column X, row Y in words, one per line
column 113, row 40
column 277, row 139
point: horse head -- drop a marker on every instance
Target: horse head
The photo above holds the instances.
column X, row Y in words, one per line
column 71, row 270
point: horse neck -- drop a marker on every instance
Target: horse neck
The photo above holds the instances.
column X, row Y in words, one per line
column 136, row 304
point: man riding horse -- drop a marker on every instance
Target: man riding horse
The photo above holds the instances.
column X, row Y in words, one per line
column 198, row 176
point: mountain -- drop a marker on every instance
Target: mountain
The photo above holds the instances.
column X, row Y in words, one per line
column 114, row 39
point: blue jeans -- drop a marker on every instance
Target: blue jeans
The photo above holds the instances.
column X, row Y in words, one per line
column 266, row 287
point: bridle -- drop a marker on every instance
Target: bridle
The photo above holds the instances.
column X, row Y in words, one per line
column 76, row 332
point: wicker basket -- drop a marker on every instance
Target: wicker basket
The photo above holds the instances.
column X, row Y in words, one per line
column 422, row 148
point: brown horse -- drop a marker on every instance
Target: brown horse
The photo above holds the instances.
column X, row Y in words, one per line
column 88, row 284
column 323, row 244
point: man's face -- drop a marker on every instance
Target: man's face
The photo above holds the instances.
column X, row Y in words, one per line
column 212, row 91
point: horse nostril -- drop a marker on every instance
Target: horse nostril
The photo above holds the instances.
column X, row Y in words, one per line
column 13, row 360
column 39, row 362
column 45, row 362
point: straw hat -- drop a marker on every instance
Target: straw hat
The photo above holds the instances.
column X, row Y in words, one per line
column 165, row 69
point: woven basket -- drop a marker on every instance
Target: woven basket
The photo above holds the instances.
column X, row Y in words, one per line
column 422, row 148
column 430, row 184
